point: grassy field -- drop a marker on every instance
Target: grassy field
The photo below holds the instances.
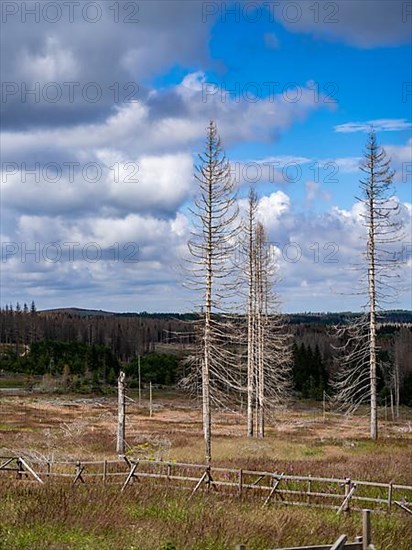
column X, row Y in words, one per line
column 146, row 517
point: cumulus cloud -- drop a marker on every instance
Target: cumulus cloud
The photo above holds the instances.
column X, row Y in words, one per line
column 116, row 54
column 319, row 254
column 272, row 207
column 315, row 253
column 136, row 126
column 110, row 184
column 145, row 158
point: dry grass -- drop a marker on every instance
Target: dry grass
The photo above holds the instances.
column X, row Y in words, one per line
column 92, row 516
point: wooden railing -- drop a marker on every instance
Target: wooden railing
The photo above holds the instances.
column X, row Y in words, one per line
column 340, row 494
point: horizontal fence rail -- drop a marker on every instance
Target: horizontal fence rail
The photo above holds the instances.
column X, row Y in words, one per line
column 340, row 494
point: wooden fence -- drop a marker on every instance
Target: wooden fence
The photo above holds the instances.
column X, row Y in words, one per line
column 339, row 494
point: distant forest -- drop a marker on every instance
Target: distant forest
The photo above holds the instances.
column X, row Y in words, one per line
column 87, row 347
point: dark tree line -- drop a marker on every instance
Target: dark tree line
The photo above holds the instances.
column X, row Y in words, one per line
column 93, row 346
column 125, row 335
column 80, row 366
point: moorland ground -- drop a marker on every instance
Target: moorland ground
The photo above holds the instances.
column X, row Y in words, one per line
column 300, row 440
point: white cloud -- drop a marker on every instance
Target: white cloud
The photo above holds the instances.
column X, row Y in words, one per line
column 156, row 184
column 271, row 208
column 146, row 212
column 326, row 247
column 347, row 165
column 400, row 154
column 314, row 251
column 193, row 82
column 136, row 131
column 379, row 125
column 314, row 191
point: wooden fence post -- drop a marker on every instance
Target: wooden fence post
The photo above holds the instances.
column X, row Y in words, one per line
column 366, row 529
column 104, row 471
column 390, row 492
column 309, row 490
column 348, row 487
column 121, row 422
column 19, row 469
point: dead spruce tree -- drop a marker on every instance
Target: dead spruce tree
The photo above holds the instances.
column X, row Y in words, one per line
column 356, row 379
column 251, row 308
column 211, row 247
column 268, row 346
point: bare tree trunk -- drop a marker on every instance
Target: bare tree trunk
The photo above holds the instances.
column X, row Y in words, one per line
column 260, row 333
column 140, row 380
column 250, row 377
column 261, row 393
column 268, row 353
column 372, row 322
column 121, row 424
column 207, row 420
column 396, row 388
column 251, row 313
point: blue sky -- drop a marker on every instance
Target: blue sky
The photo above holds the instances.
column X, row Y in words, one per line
column 293, row 93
